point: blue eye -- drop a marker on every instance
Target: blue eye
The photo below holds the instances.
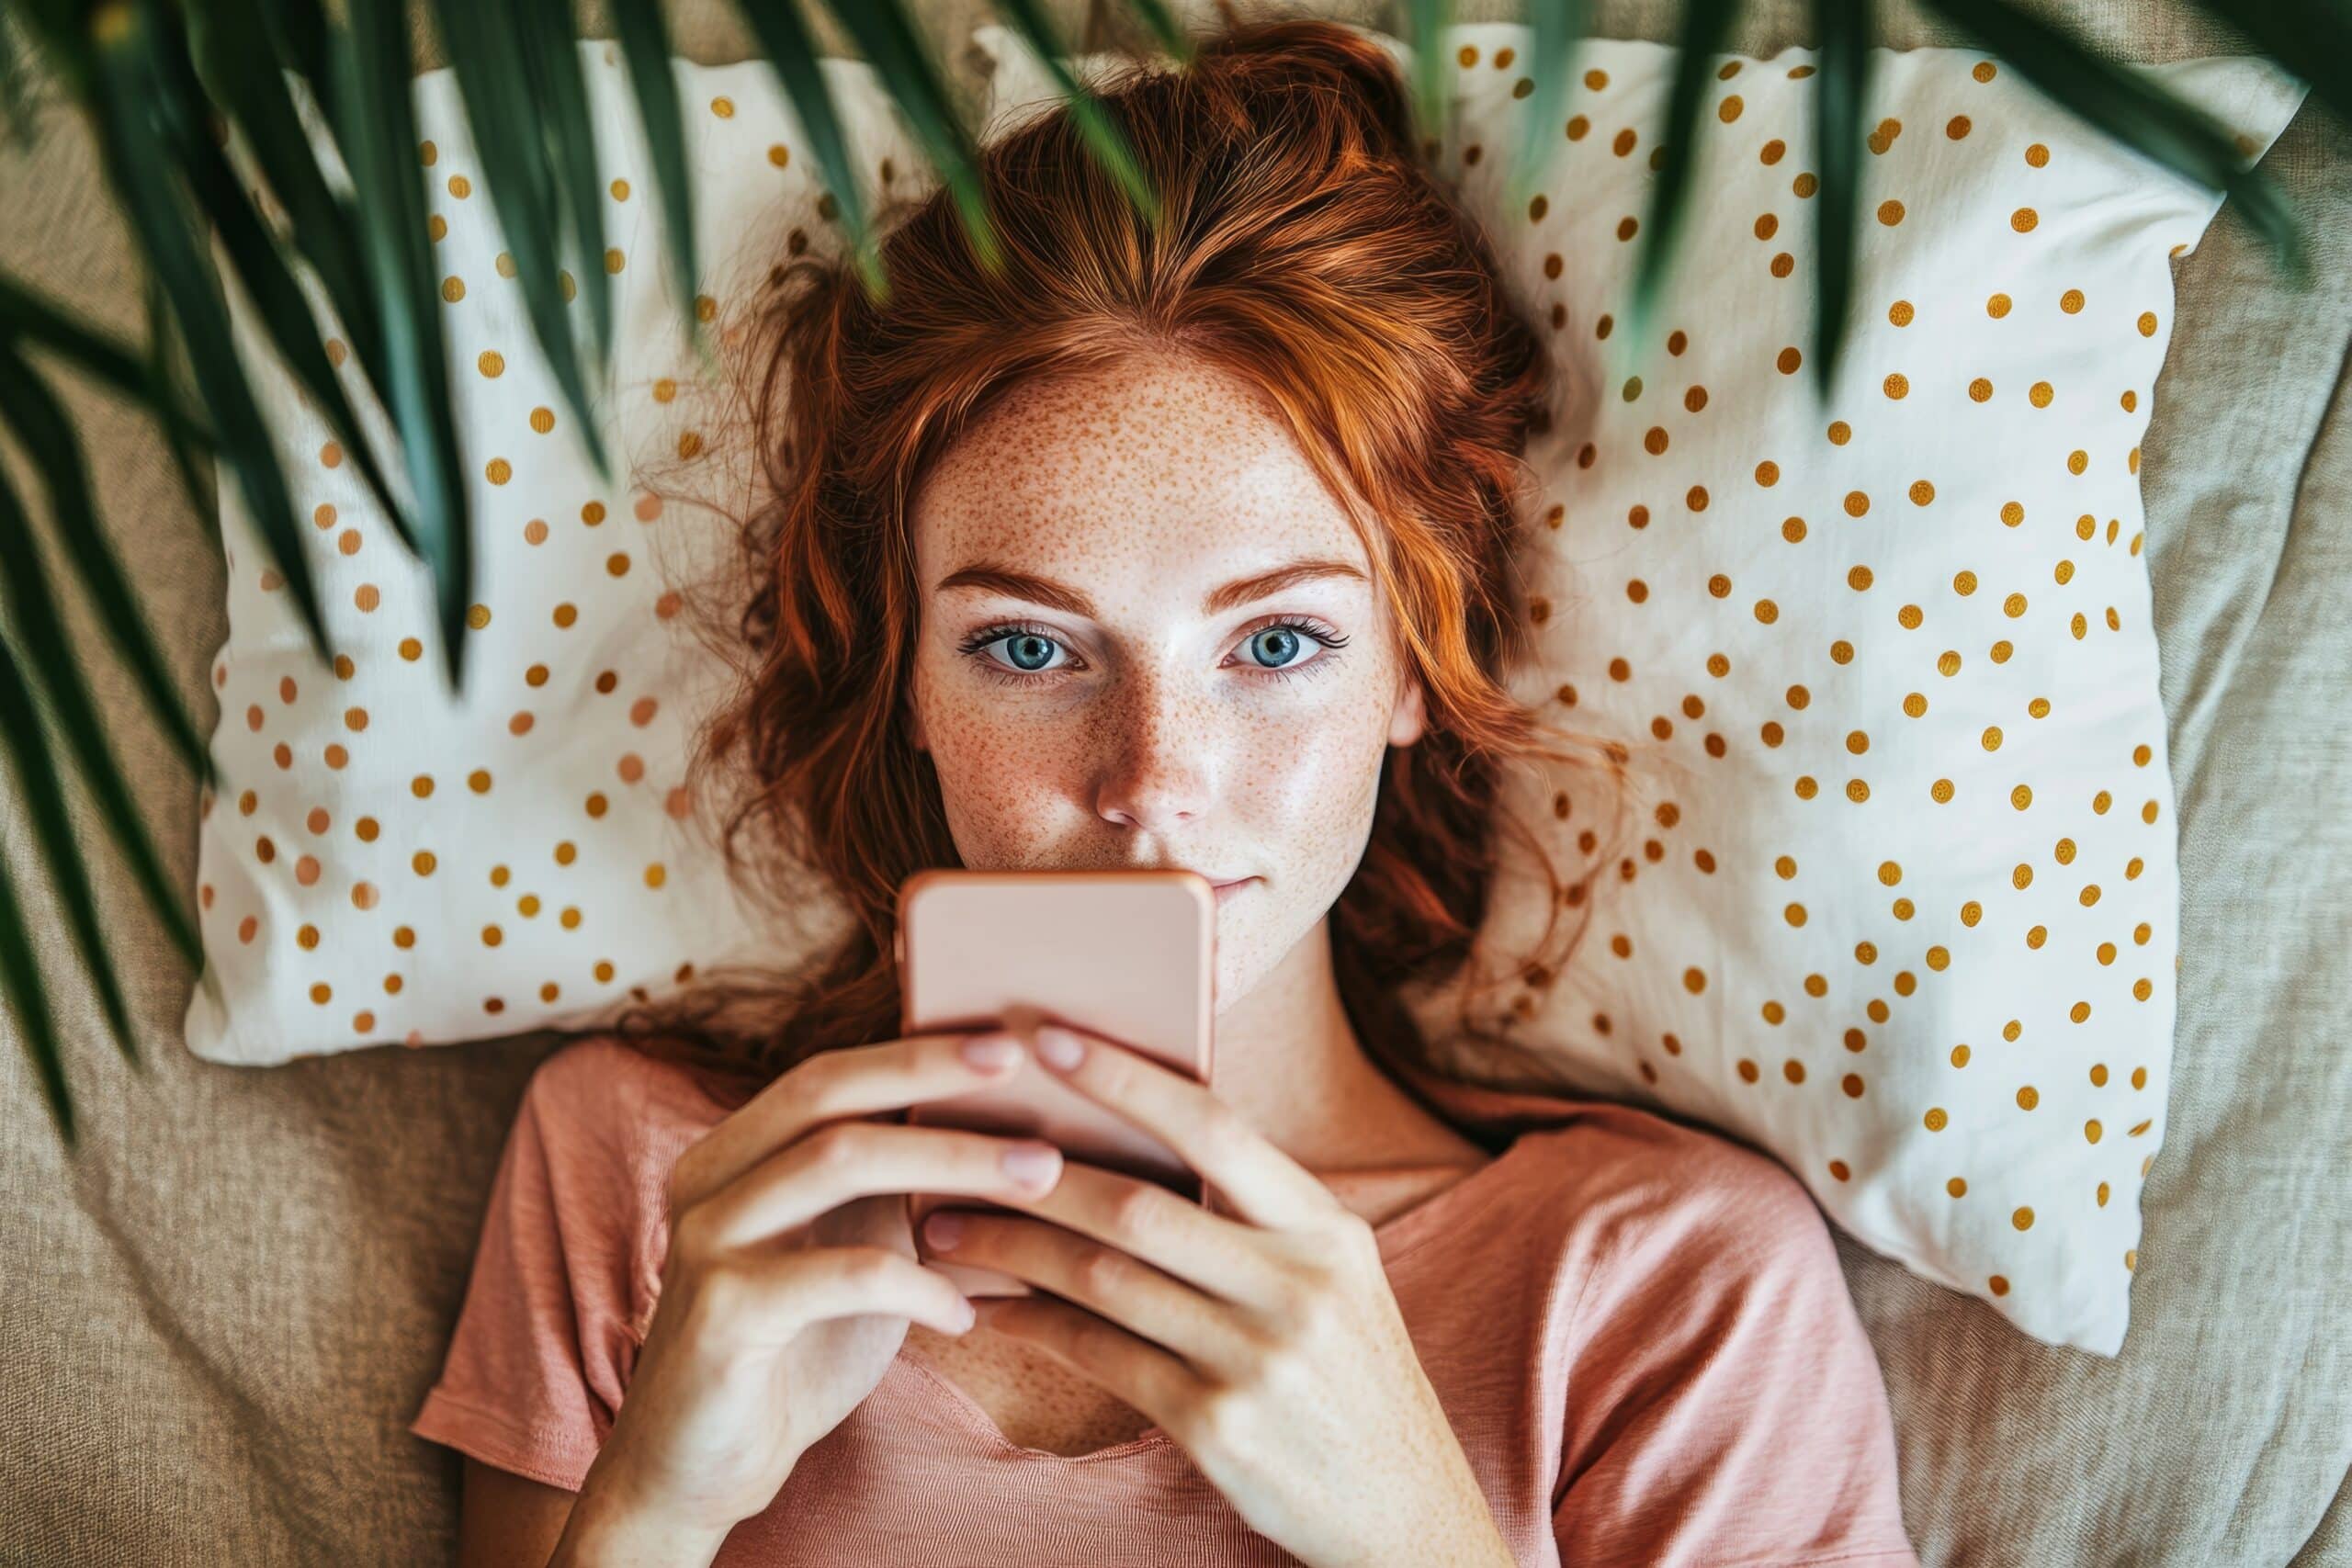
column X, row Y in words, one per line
column 1029, row 650
column 1278, row 642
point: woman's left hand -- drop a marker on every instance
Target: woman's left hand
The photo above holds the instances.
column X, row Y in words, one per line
column 1270, row 1347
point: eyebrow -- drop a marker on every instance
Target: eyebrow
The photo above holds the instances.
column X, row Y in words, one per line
column 989, row 578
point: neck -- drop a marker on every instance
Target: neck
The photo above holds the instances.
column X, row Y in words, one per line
column 1290, row 1062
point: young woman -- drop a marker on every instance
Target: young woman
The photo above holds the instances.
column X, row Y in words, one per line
column 1187, row 545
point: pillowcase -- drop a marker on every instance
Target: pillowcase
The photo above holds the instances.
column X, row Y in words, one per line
column 390, row 863
column 1896, row 895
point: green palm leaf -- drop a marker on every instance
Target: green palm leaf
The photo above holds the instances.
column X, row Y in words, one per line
column 1556, row 30
column 489, row 54
column 38, row 633
column 376, row 126
column 30, row 318
column 2133, row 108
column 138, row 158
column 1840, row 94
column 41, row 426
column 2311, row 38
column 1426, row 30
column 903, row 64
column 233, row 51
column 1704, row 24
column 645, row 50
column 277, row 299
column 564, row 126
column 15, row 111
column 44, row 797
column 21, row 969
column 1102, row 139
column 163, row 396
column 297, row 32
column 793, row 53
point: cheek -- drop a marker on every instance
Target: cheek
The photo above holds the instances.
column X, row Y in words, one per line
column 998, row 775
column 1307, row 778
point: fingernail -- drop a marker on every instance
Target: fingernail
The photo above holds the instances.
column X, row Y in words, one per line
column 1059, row 1047
column 1032, row 1164
column 943, row 1230
column 992, row 1053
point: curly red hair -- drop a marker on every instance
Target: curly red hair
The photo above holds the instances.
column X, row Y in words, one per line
column 1304, row 246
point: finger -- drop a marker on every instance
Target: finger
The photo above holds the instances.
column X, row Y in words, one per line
column 1152, row 1380
column 856, row 1159
column 1227, row 1259
column 1264, row 1186
column 1116, row 1286
column 854, row 1080
column 771, row 1296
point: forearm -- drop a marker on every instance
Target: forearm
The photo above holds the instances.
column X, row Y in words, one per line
column 606, row 1530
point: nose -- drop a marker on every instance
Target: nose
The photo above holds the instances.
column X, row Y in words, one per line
column 1159, row 771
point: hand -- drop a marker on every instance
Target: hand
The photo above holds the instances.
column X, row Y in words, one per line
column 790, row 1280
column 1268, row 1346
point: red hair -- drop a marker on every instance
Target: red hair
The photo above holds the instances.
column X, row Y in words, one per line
column 1304, row 247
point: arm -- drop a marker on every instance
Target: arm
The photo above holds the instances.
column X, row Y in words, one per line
column 1726, row 1404
column 507, row 1518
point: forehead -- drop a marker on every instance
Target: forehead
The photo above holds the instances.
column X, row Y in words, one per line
column 1159, row 467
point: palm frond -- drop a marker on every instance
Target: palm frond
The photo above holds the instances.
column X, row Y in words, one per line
column 163, row 399
column 376, row 127
column 902, row 62
column 2133, row 107
column 2313, row 39
column 139, row 160
column 1840, row 94
column 234, row 52
column 565, row 132
column 37, row 631
column 275, row 297
column 490, row 56
column 40, row 425
column 792, row 53
column 1556, row 32
column 31, row 318
column 645, row 51
column 1705, row 25
column 22, row 739
column 1109, row 146
column 16, row 107
column 1427, row 24
column 28, row 1000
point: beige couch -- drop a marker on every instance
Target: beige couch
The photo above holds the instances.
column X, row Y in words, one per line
column 219, row 1316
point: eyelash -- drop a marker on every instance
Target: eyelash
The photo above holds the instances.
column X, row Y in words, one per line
column 1333, row 641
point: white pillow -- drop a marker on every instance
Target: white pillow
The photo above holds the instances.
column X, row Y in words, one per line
column 555, row 866
column 1899, row 901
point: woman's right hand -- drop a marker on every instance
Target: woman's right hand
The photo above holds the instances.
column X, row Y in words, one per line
column 789, row 1283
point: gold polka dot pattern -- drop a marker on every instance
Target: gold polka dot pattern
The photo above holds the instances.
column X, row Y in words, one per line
column 1899, row 866
column 404, row 866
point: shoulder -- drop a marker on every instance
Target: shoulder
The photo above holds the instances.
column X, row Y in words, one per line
column 1659, row 1230
column 1642, row 1182
column 600, row 1127
column 607, row 1121
column 1716, row 1370
column 601, row 1089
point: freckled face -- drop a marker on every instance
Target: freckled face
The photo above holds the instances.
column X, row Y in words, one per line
column 1097, row 694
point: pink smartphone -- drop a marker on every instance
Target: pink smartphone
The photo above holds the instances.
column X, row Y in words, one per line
column 1127, row 955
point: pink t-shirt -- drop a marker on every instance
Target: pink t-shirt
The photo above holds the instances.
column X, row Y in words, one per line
column 1639, row 1330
